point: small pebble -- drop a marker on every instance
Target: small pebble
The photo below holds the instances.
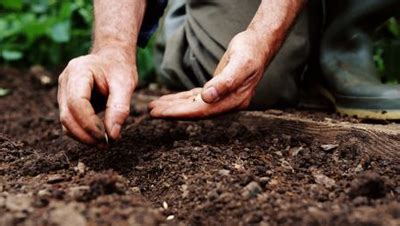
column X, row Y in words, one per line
column 135, row 189
column 264, row 181
column 251, row 190
column 44, row 193
column 80, row 168
column 224, row 172
column 53, row 179
column 324, row 180
column 296, row 151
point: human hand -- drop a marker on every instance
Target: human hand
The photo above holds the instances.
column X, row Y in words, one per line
column 112, row 73
column 236, row 77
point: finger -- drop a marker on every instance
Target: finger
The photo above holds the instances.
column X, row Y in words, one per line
column 160, row 105
column 118, row 105
column 79, row 88
column 189, row 109
column 230, row 78
column 180, row 95
column 181, row 109
column 67, row 120
column 73, row 130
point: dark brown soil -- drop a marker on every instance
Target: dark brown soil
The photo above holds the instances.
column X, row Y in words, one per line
column 209, row 172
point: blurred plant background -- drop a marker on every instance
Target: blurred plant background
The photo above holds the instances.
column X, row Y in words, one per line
column 50, row 33
column 387, row 50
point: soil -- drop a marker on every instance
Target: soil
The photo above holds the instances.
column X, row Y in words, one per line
column 167, row 172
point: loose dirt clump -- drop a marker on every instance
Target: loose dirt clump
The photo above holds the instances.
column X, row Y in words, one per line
column 165, row 172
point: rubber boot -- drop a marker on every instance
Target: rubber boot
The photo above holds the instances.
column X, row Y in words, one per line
column 351, row 80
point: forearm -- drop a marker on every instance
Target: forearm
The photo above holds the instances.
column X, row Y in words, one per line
column 117, row 24
column 272, row 22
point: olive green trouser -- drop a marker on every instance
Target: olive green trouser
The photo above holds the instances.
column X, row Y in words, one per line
column 195, row 35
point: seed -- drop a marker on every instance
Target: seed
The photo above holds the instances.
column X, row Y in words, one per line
column 165, row 205
column 170, row 217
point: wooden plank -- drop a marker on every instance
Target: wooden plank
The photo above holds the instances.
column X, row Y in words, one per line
column 383, row 140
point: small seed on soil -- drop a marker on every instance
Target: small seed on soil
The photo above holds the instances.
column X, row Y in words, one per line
column 165, row 205
column 170, row 217
column 329, row 147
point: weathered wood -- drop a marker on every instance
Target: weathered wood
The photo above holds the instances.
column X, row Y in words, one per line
column 383, row 140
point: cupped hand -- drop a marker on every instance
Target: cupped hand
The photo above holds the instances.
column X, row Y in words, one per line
column 232, row 87
column 112, row 73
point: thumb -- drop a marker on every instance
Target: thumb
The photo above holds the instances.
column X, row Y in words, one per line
column 118, row 107
column 228, row 77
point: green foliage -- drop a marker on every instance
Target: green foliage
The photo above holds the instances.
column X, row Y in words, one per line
column 387, row 51
column 50, row 33
column 47, row 32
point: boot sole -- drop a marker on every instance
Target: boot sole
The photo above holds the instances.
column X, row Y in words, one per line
column 381, row 114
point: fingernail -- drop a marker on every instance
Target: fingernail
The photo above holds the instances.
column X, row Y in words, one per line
column 211, row 94
column 116, row 131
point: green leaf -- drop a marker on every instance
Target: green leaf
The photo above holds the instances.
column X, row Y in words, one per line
column 40, row 6
column 11, row 55
column 12, row 4
column 394, row 27
column 4, row 92
column 60, row 32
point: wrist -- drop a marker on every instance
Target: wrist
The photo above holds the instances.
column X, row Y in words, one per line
column 264, row 45
column 117, row 52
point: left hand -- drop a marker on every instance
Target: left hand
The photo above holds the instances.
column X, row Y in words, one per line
column 232, row 88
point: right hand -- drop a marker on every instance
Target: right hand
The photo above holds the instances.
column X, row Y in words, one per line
column 112, row 72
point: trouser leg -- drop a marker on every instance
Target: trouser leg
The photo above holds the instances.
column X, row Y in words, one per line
column 173, row 21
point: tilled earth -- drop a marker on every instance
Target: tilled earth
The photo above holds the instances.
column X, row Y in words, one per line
column 165, row 172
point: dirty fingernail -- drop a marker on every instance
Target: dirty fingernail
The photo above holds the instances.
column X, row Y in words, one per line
column 211, row 94
column 116, row 131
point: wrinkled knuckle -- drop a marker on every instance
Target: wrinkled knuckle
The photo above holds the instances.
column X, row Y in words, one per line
column 248, row 61
column 122, row 111
column 86, row 126
column 229, row 82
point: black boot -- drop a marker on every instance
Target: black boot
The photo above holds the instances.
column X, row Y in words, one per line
column 351, row 78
